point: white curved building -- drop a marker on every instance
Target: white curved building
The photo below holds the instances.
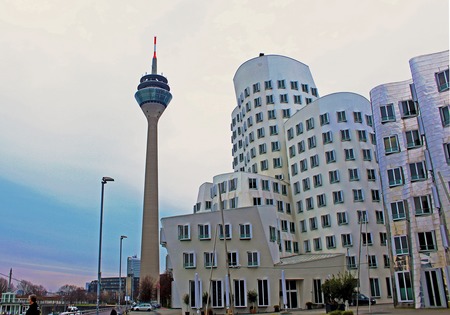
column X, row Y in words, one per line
column 412, row 123
column 303, row 197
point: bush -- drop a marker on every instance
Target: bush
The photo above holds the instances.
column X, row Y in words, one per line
column 347, row 313
column 336, row 312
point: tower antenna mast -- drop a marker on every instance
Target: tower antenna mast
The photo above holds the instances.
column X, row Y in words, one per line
column 154, row 61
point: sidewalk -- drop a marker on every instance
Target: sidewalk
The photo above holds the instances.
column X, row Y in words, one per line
column 380, row 309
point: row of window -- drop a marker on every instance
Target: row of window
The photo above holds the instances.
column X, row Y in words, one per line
column 204, row 231
column 426, row 242
column 281, row 84
column 417, row 172
column 422, row 206
column 342, row 219
column 210, row 259
column 324, row 119
column 346, row 241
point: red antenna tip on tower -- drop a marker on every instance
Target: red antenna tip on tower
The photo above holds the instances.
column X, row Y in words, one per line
column 154, row 47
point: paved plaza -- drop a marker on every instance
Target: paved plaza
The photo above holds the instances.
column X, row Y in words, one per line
column 382, row 309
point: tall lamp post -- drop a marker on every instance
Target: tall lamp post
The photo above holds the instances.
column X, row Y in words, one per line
column 104, row 181
column 120, row 267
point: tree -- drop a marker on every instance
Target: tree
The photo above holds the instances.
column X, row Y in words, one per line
column 147, row 289
column 3, row 285
column 340, row 287
column 252, row 296
column 165, row 287
column 72, row 293
column 29, row 288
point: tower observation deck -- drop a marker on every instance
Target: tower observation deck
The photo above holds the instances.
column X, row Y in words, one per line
column 153, row 95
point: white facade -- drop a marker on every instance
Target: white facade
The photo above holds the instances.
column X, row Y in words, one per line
column 412, row 126
column 265, row 198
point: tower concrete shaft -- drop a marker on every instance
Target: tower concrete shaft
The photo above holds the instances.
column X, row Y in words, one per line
column 153, row 96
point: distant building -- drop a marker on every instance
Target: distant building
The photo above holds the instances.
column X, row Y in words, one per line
column 304, row 200
column 412, row 123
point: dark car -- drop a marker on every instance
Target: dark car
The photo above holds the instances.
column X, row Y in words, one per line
column 362, row 300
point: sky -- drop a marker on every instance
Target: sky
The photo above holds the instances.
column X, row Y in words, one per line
column 69, row 71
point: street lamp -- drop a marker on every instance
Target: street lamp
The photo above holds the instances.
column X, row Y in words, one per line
column 104, row 181
column 120, row 267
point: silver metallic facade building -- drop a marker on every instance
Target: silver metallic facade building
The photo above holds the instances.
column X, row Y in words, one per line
column 412, row 123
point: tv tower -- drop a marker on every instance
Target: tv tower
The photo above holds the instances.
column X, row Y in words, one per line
column 153, row 96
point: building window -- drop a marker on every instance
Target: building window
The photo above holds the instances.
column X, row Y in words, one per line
column 372, row 261
column 272, row 114
column 268, row 85
column 310, row 123
column 280, row 206
column 309, row 203
column 422, row 205
column 314, row 92
column 288, row 246
column 286, row 113
column 331, row 241
column 351, row 262
column 239, row 293
column 259, row 117
column 409, row 108
column 305, row 88
column 275, row 146
column 260, row 133
column 387, row 113
column 290, row 133
column 188, row 260
column 273, row 130
column 283, row 98
column 245, row 231
column 357, row 117
column 341, row 117
column 413, row 139
column 362, row 217
column 379, row 217
column 395, row 176
column 311, row 142
column 369, row 120
column 338, row 197
column 294, row 85
column 263, row 292
column 217, row 293
column 345, row 135
column 314, row 160
column 367, row 154
column 264, row 165
column 233, row 184
column 324, row 119
column 374, row 287
column 371, row 174
column 299, row 128
column 297, row 99
column 253, row 259
column 204, row 232
column 353, row 174
column 405, row 291
column 388, row 287
column 256, row 87
column 317, row 244
column 277, row 163
column 346, row 240
column 317, row 180
column 306, row 184
column 326, row 220
column 362, row 135
column 227, row 231
column 391, row 144
column 334, row 176
column 301, row 146
column 386, row 261
column 327, row 137
column 252, row 183
column 233, row 259
column 398, row 210
column 272, row 233
column 306, row 246
column 294, row 169
column 184, row 232
column 330, row 156
column 210, row 259
column 281, row 84
column 445, row 115
column 296, row 188
column 269, row 99
column 375, row 195
column 401, row 245
column 256, row 201
column 342, row 218
column 442, row 80
column 366, row 239
column 418, row 171
column 427, row 241
column 321, row 200
column 349, row 154
column 295, row 246
column 383, row 238
column 292, row 151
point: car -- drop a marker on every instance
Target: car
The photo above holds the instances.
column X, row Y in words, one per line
column 155, row 304
column 143, row 307
column 362, row 299
column 71, row 310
